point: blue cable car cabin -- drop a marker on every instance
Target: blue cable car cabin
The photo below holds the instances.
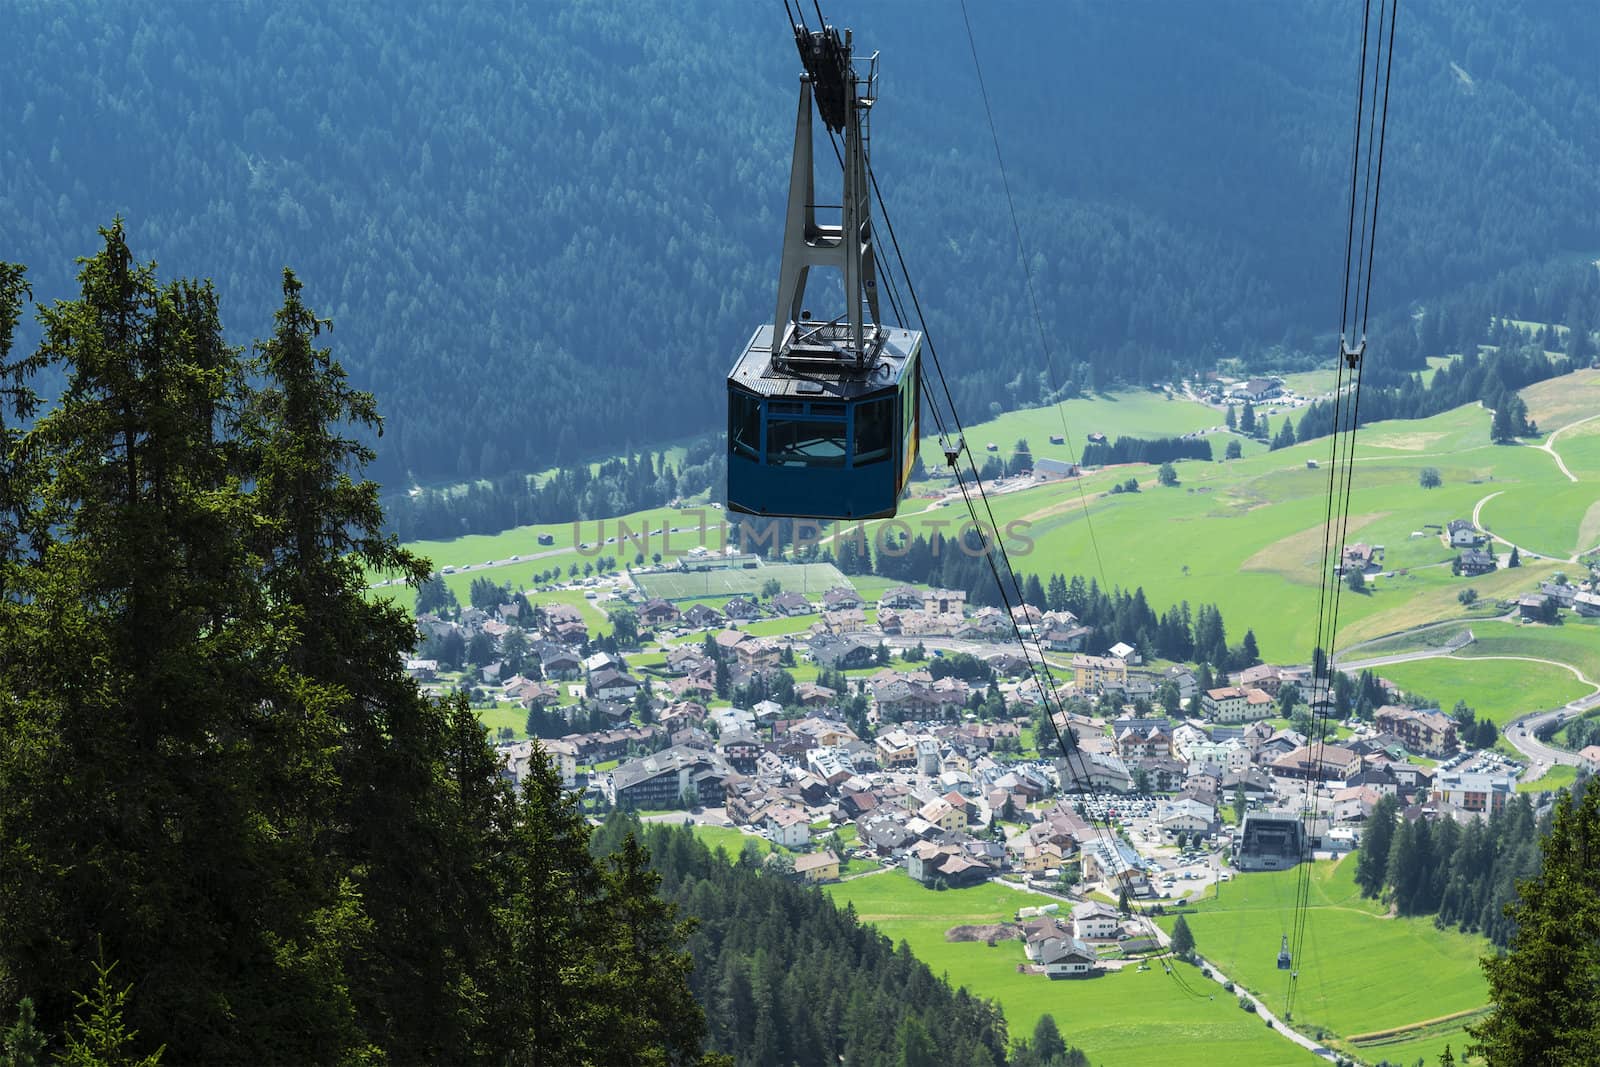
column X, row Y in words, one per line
column 824, row 443
column 823, row 413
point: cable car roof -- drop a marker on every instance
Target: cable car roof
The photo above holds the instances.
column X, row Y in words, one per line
column 754, row 370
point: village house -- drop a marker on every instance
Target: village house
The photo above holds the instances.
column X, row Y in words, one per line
column 1186, row 817
column 518, row 758
column 844, row 620
column 1094, row 921
column 741, row 608
column 1462, row 534
column 1263, row 676
column 896, row 750
column 832, row 765
column 792, row 604
column 1136, row 743
column 662, row 779
column 941, row 813
column 1231, row 704
column 1092, row 672
column 901, row 598
column 1475, row 561
column 790, row 827
column 1115, row 864
column 758, row 652
column 606, row 745
column 1324, row 763
column 1589, row 759
column 927, row 863
column 841, row 653
column 658, row 612
column 741, row 749
column 1067, row 958
column 1360, row 557
column 1125, row 652
column 564, row 623
column 1425, row 733
column 1472, row 793
column 840, row 598
column 1255, row 390
column 1046, row 469
column 609, row 684
column 818, row 866
column 702, row 616
column 559, row 662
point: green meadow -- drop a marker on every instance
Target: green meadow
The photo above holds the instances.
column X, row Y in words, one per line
column 1576, row 642
column 1497, row 689
column 1129, row 1018
column 1360, row 971
column 1248, row 535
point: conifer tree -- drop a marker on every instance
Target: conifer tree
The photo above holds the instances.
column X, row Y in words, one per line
column 1543, row 989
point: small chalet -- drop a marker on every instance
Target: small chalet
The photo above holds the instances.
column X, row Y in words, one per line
column 792, row 604
column 817, row 866
column 658, row 612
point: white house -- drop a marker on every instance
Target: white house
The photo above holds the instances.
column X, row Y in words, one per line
column 1093, row 920
column 790, row 827
column 1589, row 757
column 1066, row 957
column 1124, row 651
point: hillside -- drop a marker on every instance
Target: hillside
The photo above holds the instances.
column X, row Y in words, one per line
column 550, row 229
column 1244, row 534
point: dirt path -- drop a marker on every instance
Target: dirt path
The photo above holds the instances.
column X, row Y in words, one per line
column 1550, row 445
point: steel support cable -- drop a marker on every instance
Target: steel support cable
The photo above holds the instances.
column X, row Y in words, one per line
column 1366, row 249
column 1041, row 675
column 1048, row 689
column 1033, row 298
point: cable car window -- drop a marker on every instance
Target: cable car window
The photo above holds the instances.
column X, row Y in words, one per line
column 829, row 410
column 874, row 430
column 787, row 407
column 805, row 443
column 744, row 425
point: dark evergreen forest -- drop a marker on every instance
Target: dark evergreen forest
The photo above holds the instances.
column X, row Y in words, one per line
column 546, row 229
column 788, row 978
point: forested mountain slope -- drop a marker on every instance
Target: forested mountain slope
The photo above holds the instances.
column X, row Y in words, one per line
column 552, row 225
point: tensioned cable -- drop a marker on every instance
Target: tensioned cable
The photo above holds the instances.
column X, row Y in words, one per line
column 1040, row 674
column 1365, row 249
column 1033, row 298
column 1047, row 686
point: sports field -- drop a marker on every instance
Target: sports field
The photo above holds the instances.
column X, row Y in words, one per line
column 811, row 579
column 1128, row 1018
column 1360, row 971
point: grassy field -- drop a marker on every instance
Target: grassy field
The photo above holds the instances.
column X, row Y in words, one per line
column 1134, row 414
column 1246, row 534
column 730, row 840
column 1560, row 776
column 1127, row 1018
column 1249, row 533
column 1498, row 689
column 1576, row 641
column 807, row 578
column 1552, row 520
column 1360, row 971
